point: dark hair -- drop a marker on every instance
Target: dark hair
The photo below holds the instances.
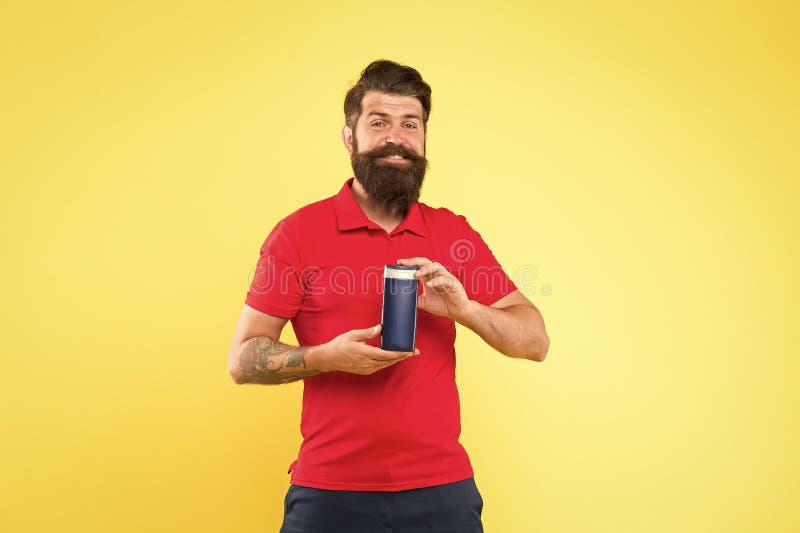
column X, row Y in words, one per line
column 391, row 78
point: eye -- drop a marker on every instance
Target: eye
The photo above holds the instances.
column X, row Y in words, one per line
column 377, row 124
column 410, row 125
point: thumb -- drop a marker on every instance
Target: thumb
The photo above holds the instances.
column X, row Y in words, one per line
column 368, row 333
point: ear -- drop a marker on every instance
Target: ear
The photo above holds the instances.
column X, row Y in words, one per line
column 347, row 139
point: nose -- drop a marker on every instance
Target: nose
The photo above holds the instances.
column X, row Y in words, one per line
column 395, row 135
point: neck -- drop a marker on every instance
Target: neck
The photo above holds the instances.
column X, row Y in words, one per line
column 386, row 218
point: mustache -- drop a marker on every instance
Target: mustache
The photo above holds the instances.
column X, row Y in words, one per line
column 389, row 150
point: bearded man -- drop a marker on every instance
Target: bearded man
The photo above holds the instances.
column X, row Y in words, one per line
column 380, row 428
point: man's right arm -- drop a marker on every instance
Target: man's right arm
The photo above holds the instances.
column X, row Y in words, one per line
column 257, row 355
column 267, row 361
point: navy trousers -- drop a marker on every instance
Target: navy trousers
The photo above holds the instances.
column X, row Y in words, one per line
column 450, row 508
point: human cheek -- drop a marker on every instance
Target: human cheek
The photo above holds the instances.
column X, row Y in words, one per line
column 419, row 148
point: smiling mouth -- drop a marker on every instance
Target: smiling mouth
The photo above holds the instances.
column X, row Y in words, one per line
column 394, row 158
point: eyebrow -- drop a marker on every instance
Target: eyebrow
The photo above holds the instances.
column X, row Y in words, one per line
column 387, row 115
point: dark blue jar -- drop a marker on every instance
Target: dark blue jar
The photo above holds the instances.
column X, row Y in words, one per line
column 399, row 315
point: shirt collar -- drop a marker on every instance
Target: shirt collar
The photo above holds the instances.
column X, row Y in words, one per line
column 349, row 214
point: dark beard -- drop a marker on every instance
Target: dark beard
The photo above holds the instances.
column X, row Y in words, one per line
column 395, row 187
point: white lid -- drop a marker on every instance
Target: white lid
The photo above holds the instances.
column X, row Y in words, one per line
column 397, row 273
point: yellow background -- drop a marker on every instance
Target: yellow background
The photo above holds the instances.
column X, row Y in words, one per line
column 642, row 157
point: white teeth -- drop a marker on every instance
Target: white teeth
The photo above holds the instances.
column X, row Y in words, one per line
column 395, row 157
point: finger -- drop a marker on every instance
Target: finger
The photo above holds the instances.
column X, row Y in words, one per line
column 432, row 269
column 364, row 334
column 397, row 356
column 385, row 361
column 444, row 284
column 379, row 354
column 414, row 261
column 379, row 364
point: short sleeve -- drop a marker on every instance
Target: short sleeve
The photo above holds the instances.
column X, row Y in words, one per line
column 480, row 273
column 276, row 288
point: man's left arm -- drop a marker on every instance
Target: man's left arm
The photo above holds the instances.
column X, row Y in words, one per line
column 512, row 325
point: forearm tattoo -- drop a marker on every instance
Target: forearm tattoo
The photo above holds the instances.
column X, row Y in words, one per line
column 267, row 361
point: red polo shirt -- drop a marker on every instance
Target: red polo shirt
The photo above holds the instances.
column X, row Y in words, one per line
column 397, row 429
